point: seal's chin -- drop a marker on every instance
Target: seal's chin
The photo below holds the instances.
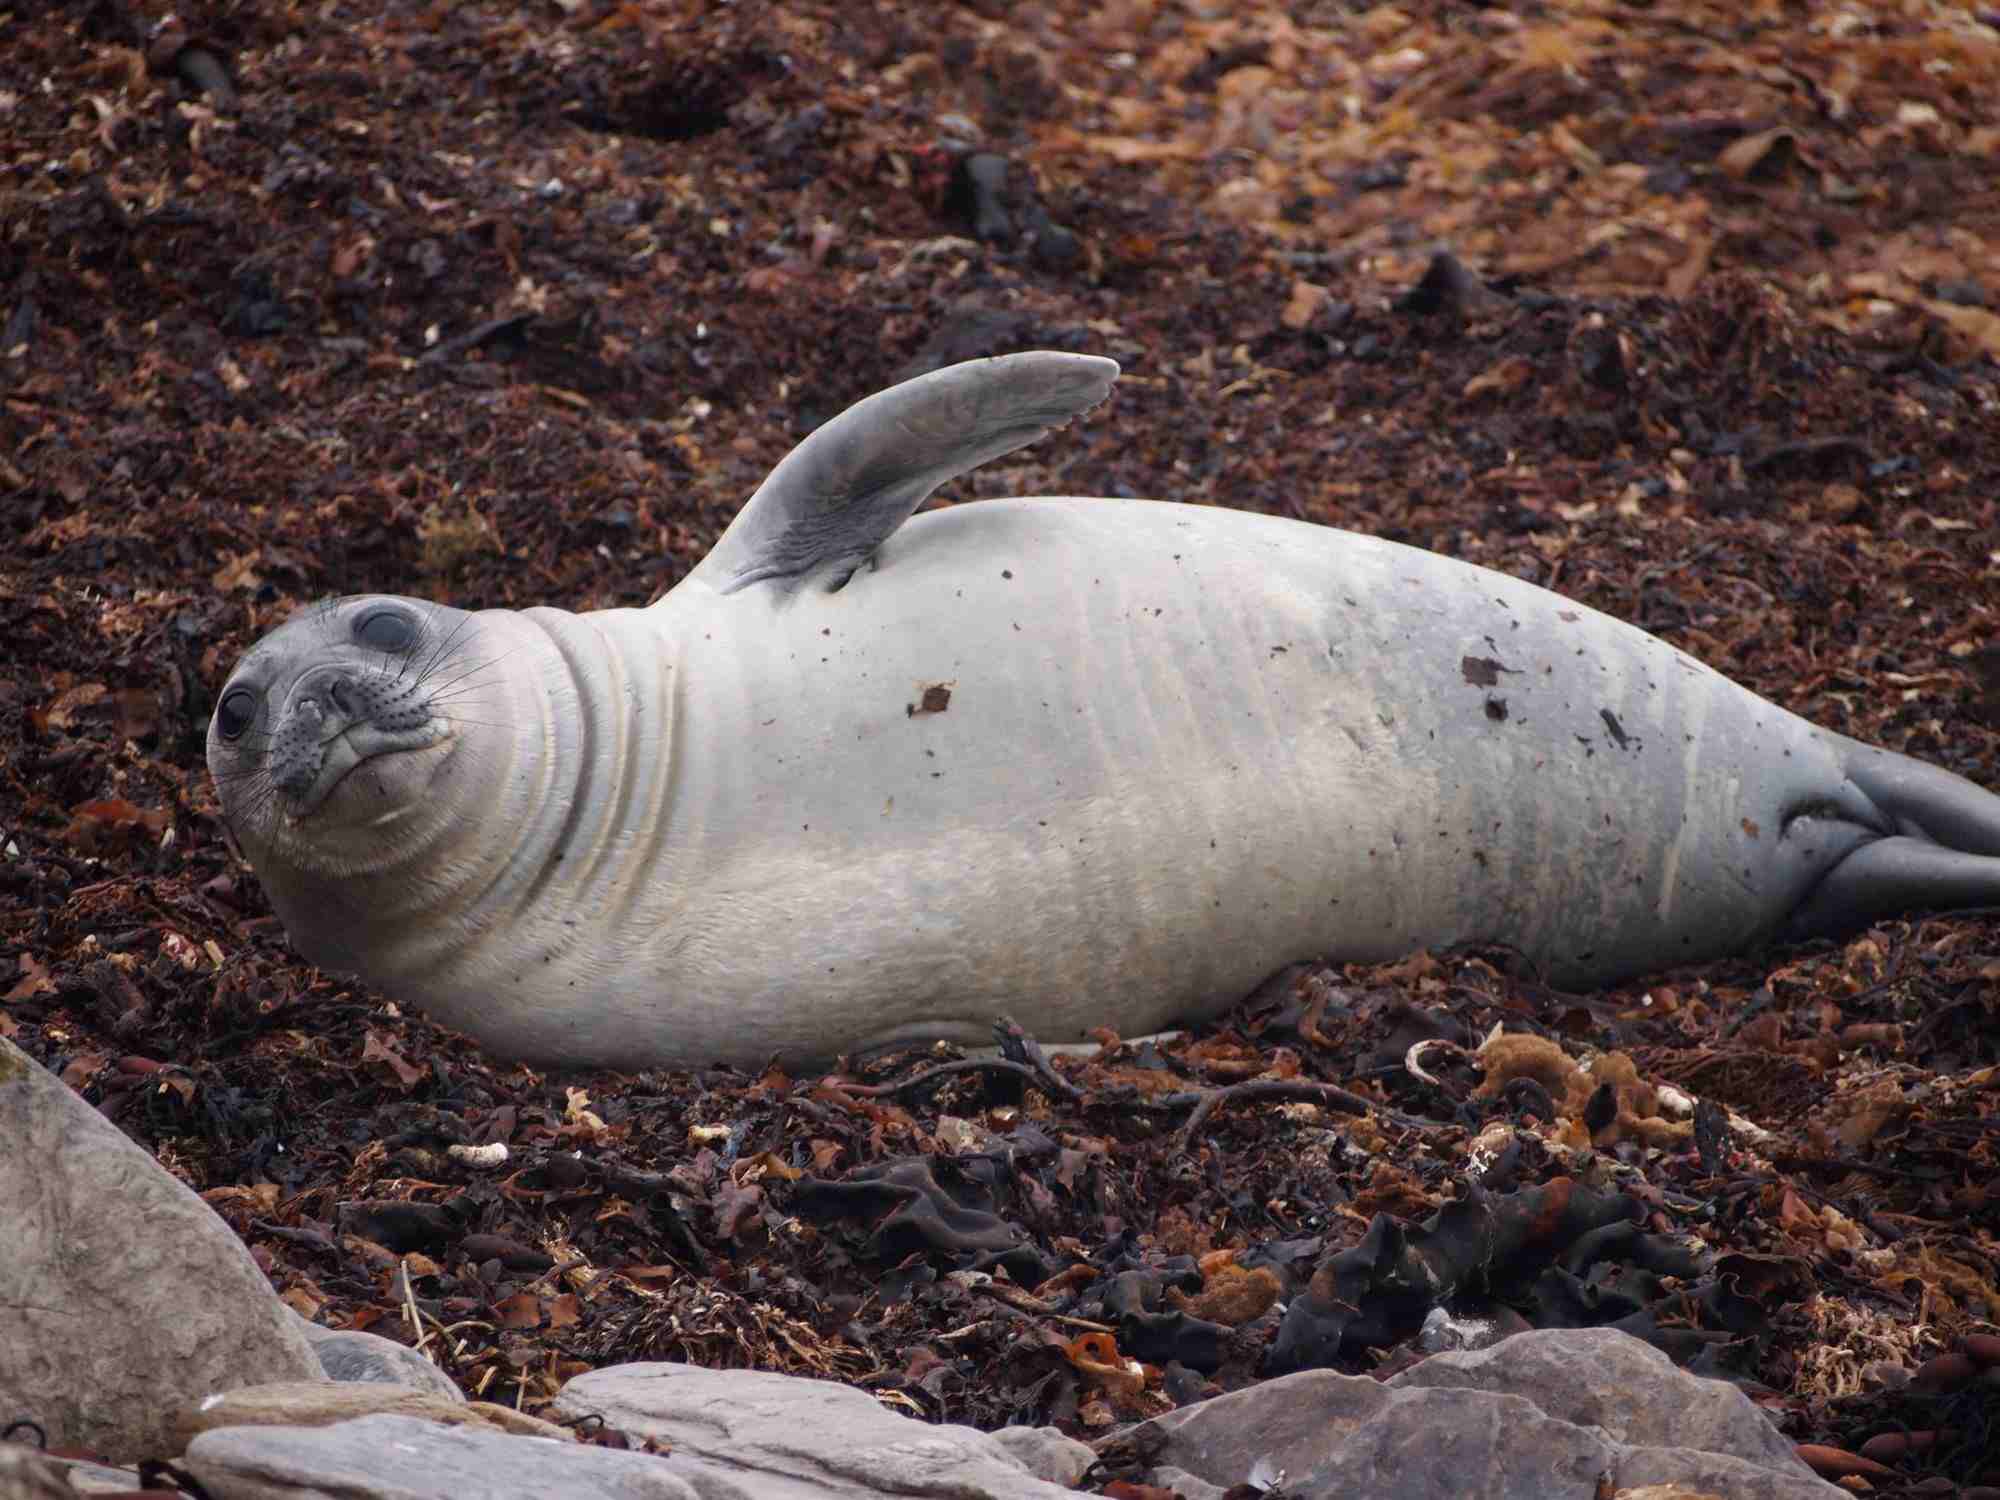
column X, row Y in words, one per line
column 370, row 776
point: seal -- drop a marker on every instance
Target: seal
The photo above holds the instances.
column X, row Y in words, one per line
column 865, row 777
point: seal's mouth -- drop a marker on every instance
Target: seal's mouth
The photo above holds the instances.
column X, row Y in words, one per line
column 360, row 745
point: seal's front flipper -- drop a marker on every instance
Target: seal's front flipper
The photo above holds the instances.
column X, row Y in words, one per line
column 837, row 496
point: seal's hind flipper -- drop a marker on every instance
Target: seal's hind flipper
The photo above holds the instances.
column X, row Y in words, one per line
column 837, row 496
column 1943, row 855
column 1896, row 874
column 1926, row 800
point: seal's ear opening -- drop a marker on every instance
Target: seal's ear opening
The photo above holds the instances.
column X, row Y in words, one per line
column 235, row 713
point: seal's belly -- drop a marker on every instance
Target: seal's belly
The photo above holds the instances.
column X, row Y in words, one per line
column 1056, row 747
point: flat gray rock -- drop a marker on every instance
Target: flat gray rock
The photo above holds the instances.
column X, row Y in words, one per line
column 324, row 1403
column 127, row 1296
column 746, row 1435
column 348, row 1355
column 1536, row 1414
column 30, row 1474
column 408, row 1458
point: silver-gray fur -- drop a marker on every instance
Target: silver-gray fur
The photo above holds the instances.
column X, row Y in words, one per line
column 1087, row 762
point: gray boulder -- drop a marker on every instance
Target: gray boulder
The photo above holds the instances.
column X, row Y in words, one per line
column 349, row 1355
column 408, row 1458
column 127, row 1296
column 1598, row 1377
column 745, row 1435
column 1537, row 1414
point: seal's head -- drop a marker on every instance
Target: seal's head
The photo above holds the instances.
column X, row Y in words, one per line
column 333, row 727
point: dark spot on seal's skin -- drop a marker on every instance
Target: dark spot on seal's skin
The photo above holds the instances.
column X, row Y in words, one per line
column 1751, row 828
column 1482, row 671
column 935, row 700
column 1618, row 735
column 1496, row 710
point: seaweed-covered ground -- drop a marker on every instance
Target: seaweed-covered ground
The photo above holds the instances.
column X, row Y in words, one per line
column 1685, row 309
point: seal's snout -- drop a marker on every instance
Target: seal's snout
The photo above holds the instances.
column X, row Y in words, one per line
column 298, row 749
column 335, row 697
column 339, row 716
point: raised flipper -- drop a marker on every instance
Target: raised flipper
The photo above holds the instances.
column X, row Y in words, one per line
column 837, row 496
column 1944, row 854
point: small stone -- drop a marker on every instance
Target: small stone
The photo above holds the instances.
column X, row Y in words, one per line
column 347, row 1354
column 1047, row 1453
column 1185, row 1485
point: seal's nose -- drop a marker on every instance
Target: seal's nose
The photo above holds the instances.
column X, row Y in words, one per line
column 335, row 693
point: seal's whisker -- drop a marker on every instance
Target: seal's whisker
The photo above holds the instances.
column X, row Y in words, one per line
column 443, row 709
column 467, row 683
column 458, row 687
column 464, row 682
column 434, row 646
column 468, row 674
column 449, row 647
column 262, row 793
column 232, row 778
column 444, row 647
column 456, row 662
column 320, row 614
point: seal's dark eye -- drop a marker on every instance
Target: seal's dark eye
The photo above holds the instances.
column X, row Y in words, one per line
column 385, row 630
column 234, row 713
